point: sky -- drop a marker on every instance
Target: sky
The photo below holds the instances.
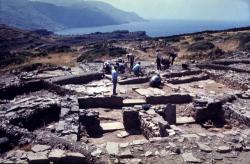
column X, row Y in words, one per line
column 221, row 10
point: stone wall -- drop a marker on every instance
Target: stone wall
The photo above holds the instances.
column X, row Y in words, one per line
column 10, row 91
column 89, row 121
column 188, row 79
column 211, row 109
column 152, row 124
column 100, row 102
column 131, row 119
column 182, row 73
column 231, row 61
column 235, row 116
column 136, row 80
column 222, row 67
column 172, row 99
column 77, row 79
column 24, row 87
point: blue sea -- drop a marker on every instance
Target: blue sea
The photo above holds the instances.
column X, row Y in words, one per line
column 156, row 28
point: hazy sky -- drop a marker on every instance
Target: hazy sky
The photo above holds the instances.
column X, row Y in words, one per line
column 187, row 9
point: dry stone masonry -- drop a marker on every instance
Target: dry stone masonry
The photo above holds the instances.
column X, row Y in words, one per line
column 198, row 115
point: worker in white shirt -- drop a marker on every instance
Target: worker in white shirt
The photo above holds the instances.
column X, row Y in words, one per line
column 114, row 79
column 137, row 69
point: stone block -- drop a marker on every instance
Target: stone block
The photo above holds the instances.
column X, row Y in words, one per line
column 173, row 99
column 100, row 102
column 131, row 119
column 56, row 155
column 170, row 114
column 111, row 126
column 74, row 158
column 133, row 102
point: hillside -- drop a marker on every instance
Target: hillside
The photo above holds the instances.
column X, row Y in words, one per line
column 119, row 15
column 40, row 15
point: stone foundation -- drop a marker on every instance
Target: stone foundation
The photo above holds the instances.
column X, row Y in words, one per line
column 222, row 67
column 172, row 99
column 188, row 79
column 234, row 115
column 152, row 124
column 182, row 73
column 136, row 80
column 100, row 102
column 77, row 79
column 131, row 120
column 208, row 109
column 89, row 121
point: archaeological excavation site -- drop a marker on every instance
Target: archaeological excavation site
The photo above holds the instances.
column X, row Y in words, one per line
column 57, row 106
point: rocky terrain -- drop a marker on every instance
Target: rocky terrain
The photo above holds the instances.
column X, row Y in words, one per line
column 58, row 107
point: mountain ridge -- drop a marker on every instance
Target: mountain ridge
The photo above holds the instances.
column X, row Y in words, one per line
column 42, row 15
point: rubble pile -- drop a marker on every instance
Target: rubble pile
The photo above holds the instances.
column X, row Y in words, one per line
column 238, row 111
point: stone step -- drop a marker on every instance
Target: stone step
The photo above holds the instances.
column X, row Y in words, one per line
column 150, row 92
column 132, row 102
column 185, row 120
column 112, row 126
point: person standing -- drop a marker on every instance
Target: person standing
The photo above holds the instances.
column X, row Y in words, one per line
column 132, row 60
column 158, row 59
column 173, row 55
column 114, row 79
column 128, row 57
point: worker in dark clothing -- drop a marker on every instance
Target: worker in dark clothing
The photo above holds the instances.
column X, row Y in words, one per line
column 128, row 57
column 172, row 55
column 107, row 67
column 132, row 60
column 155, row 81
column 158, row 59
column 121, row 67
column 165, row 62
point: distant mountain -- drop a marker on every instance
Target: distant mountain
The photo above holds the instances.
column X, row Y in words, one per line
column 41, row 15
column 119, row 15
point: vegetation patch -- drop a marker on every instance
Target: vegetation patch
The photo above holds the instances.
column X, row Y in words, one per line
column 100, row 51
column 7, row 58
column 244, row 39
column 201, row 46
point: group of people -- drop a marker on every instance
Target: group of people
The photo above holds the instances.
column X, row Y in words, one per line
column 155, row 81
column 120, row 68
column 163, row 61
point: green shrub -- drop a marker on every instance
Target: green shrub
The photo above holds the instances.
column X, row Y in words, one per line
column 201, row 46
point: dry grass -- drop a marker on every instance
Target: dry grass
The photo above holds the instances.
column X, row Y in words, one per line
column 65, row 59
column 230, row 45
